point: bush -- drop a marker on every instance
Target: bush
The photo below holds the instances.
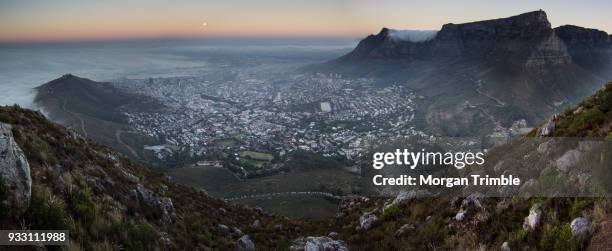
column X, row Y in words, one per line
column 391, row 213
column 578, row 206
column 517, row 237
column 45, row 211
column 83, row 207
column 140, row 237
column 606, row 100
column 587, row 119
column 565, row 240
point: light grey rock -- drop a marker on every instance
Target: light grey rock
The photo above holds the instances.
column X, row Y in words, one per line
column 404, row 197
column 321, row 243
column 404, row 230
column 14, row 171
column 333, row 235
column 256, row 224
column 544, row 147
column 533, row 220
column 584, row 180
column 367, row 220
column 223, row 227
column 236, row 231
column 460, row 216
column 528, row 186
column 473, row 200
column 580, row 227
column 568, row 160
column 505, row 247
column 245, row 243
column 548, row 128
column 498, row 166
column 150, row 199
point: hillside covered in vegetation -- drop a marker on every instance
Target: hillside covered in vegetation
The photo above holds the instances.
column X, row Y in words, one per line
column 108, row 202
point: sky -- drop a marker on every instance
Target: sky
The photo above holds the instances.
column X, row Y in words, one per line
column 82, row 20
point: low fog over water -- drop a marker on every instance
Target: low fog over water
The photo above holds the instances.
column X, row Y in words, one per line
column 24, row 67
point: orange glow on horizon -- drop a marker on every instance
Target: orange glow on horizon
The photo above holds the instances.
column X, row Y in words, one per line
column 84, row 20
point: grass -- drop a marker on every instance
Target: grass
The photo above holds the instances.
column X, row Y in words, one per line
column 256, row 155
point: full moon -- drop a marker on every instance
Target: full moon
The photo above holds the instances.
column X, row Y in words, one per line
column 205, row 24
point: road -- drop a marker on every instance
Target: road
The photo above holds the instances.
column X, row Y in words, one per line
column 266, row 195
column 118, row 137
column 77, row 116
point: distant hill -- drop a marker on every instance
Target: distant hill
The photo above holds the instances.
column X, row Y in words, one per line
column 87, row 97
column 96, row 110
column 510, row 67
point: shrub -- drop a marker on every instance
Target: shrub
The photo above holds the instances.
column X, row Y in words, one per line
column 517, row 237
column 587, row 119
column 606, row 101
column 83, row 207
column 140, row 237
column 391, row 213
column 565, row 240
column 578, row 205
column 549, row 237
column 45, row 211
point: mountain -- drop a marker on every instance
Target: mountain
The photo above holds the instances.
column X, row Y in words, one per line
column 510, row 68
column 96, row 110
column 52, row 178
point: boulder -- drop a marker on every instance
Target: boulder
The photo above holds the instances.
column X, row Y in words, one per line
column 580, row 227
column 256, row 224
column 548, row 128
column 367, row 220
column 333, row 235
column 236, row 231
column 505, row 247
column 404, row 230
column 148, row 198
column 223, row 228
column 473, row 200
column 14, row 171
column 321, row 243
column 245, row 243
column 405, row 196
column 568, row 160
column 544, row 147
column 498, row 166
column 532, row 221
column 460, row 216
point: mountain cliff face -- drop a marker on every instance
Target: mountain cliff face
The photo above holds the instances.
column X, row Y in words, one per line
column 515, row 67
column 524, row 39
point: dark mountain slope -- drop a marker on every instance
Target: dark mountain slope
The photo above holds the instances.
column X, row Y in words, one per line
column 521, row 61
column 108, row 202
column 96, row 110
column 90, row 98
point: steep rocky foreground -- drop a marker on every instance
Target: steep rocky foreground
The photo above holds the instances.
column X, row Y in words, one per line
column 108, row 202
